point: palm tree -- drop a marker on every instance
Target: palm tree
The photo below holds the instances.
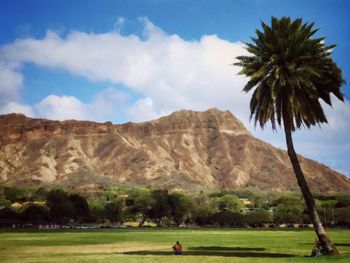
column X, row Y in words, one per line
column 289, row 73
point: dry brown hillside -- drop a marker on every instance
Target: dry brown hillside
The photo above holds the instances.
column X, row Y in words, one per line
column 186, row 150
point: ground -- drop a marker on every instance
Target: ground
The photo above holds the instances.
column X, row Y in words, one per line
column 154, row 245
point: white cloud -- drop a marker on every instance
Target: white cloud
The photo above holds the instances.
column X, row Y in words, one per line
column 194, row 74
column 119, row 24
column 169, row 73
column 338, row 115
column 10, row 83
column 61, row 108
column 143, row 109
column 15, row 107
column 106, row 103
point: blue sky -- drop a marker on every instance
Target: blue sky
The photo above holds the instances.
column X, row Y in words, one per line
column 137, row 60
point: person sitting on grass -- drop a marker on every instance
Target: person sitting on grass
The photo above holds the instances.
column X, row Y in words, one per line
column 177, row 248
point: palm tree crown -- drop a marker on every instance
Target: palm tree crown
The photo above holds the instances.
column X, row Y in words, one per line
column 291, row 72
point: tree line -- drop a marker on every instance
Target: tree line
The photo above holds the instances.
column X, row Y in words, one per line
column 224, row 208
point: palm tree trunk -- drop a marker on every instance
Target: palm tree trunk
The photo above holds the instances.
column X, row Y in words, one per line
column 326, row 245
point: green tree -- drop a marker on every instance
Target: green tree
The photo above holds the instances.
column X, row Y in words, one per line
column 342, row 216
column 342, row 201
column 226, row 219
column 290, row 72
column 202, row 212
column 80, row 206
column 229, row 202
column 39, row 194
column 15, row 194
column 97, row 209
column 33, row 213
column 8, row 213
column 114, row 211
column 258, row 217
column 3, row 200
column 61, row 208
column 288, row 209
column 139, row 202
column 160, row 207
column 180, row 207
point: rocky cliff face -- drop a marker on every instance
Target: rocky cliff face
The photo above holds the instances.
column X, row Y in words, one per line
column 186, row 150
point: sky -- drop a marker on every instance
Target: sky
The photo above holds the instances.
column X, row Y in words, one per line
column 135, row 61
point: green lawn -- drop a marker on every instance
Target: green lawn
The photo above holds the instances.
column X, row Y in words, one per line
column 154, row 245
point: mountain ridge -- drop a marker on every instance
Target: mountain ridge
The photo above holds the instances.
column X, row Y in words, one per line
column 186, row 150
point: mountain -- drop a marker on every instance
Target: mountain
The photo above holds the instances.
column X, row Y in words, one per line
column 186, row 150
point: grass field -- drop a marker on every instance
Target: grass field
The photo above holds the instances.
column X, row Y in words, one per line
column 154, row 245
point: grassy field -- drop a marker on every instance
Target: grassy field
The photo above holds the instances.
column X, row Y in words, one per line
column 154, row 245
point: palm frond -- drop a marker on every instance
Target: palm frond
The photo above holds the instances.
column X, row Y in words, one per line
column 289, row 72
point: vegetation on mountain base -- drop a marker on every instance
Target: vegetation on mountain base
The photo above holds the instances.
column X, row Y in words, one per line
column 224, row 208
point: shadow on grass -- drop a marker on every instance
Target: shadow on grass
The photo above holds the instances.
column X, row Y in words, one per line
column 215, row 251
column 342, row 244
column 337, row 244
column 217, row 248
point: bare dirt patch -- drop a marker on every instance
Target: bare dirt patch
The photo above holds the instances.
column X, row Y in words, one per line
column 108, row 248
